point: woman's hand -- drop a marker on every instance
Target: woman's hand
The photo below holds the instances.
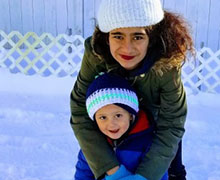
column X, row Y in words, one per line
column 113, row 170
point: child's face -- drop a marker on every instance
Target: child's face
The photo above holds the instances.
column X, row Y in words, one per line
column 113, row 121
column 128, row 46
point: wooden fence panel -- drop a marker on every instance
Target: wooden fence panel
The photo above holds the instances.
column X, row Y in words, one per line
column 169, row 5
column 89, row 17
column 39, row 16
column 97, row 2
column 181, row 7
column 75, row 17
column 15, row 15
column 192, row 15
column 214, row 26
column 50, row 17
column 202, row 23
column 27, row 16
column 61, row 16
column 5, row 16
column 90, row 12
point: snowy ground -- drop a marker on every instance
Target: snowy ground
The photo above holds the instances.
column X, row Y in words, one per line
column 37, row 142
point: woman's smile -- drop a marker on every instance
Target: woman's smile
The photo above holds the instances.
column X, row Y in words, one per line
column 125, row 57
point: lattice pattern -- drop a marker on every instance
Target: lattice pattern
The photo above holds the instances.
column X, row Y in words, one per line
column 204, row 73
column 45, row 54
column 61, row 55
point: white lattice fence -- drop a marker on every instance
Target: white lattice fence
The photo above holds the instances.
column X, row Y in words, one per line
column 61, row 55
column 203, row 73
column 45, row 54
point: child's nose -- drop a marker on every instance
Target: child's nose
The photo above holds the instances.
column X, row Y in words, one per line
column 113, row 122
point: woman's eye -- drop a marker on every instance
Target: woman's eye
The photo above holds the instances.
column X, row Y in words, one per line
column 117, row 37
column 138, row 37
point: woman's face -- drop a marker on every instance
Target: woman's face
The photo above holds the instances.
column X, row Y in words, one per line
column 128, row 46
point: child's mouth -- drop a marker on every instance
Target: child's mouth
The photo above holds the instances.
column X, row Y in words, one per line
column 114, row 131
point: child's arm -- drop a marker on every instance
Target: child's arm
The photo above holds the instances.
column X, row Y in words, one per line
column 82, row 169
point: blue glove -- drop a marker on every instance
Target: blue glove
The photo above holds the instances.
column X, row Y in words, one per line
column 120, row 173
column 133, row 177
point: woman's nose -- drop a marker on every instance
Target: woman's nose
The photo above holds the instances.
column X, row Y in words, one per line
column 127, row 45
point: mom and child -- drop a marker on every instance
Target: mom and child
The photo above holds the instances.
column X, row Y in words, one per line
column 132, row 123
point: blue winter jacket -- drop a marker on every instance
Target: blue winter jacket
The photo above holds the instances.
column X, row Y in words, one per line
column 129, row 151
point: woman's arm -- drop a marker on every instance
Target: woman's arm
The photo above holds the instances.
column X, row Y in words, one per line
column 169, row 126
column 98, row 153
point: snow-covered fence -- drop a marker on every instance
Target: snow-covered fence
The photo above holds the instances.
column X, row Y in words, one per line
column 61, row 55
column 203, row 73
column 45, row 54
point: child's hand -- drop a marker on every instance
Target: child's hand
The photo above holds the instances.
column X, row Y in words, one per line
column 120, row 173
column 133, row 177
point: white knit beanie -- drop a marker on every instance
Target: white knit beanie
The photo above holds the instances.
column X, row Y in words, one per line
column 115, row 14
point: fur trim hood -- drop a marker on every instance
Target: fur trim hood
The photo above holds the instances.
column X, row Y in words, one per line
column 166, row 64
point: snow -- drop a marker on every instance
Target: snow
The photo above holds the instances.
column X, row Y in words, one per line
column 37, row 142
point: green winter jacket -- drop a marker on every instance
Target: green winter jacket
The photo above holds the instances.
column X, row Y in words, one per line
column 160, row 91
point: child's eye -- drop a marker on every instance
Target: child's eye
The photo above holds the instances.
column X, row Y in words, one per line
column 118, row 115
column 102, row 117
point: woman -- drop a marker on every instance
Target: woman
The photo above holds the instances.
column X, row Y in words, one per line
column 140, row 41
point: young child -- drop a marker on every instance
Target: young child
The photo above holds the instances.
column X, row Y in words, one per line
column 113, row 105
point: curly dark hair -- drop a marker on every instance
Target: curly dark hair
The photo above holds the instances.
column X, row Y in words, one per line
column 171, row 37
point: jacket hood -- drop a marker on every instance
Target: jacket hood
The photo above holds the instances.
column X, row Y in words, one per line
column 166, row 64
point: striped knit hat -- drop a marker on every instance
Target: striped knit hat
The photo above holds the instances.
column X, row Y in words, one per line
column 111, row 89
column 113, row 14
